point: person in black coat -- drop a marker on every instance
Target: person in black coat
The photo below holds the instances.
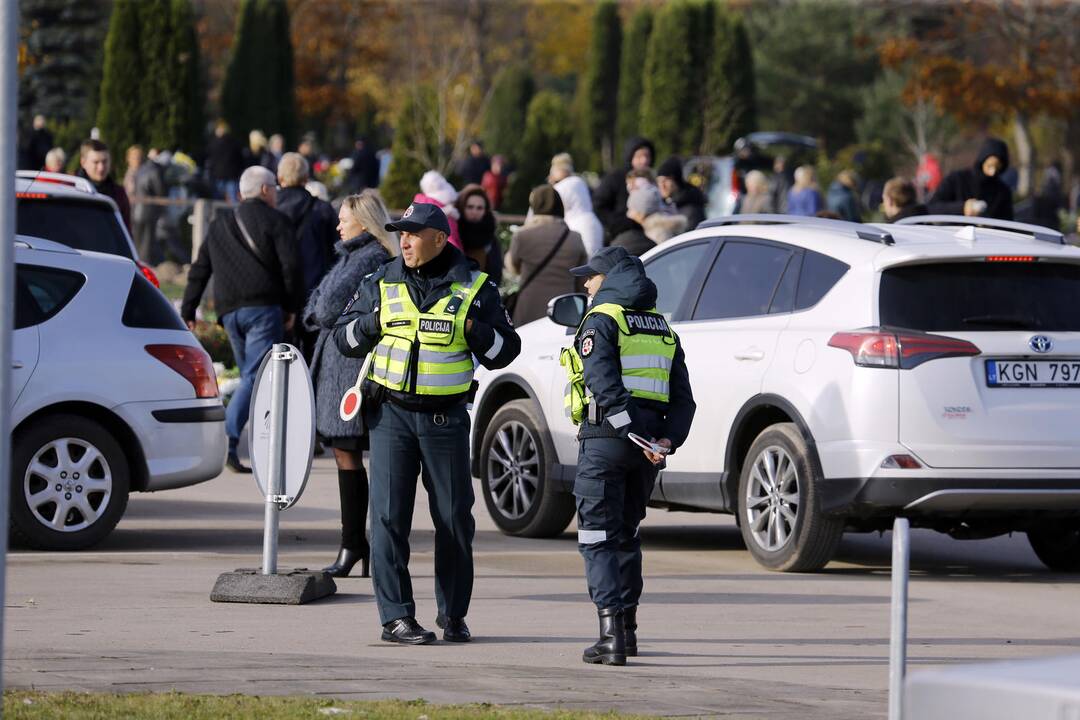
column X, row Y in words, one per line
column 962, row 192
column 688, row 200
column 472, row 168
column 476, row 228
column 224, row 162
column 364, row 246
column 314, row 222
column 609, row 199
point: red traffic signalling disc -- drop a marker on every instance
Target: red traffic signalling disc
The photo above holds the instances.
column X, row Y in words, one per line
column 350, row 404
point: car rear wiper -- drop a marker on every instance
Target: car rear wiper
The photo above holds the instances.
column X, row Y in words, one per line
column 1020, row 322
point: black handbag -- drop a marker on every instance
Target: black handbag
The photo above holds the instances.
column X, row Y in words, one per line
column 511, row 299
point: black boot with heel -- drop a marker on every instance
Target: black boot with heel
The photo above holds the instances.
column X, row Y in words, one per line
column 353, row 491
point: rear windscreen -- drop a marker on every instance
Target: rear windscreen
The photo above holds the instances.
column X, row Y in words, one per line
column 77, row 224
column 982, row 296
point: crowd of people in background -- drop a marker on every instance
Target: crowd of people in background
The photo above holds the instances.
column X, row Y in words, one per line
column 641, row 203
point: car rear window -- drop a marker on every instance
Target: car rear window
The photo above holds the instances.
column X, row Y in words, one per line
column 75, row 223
column 146, row 307
column 41, row 292
column 982, row 296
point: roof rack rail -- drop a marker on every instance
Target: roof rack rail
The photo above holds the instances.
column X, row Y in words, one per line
column 1038, row 232
column 72, row 181
column 864, row 232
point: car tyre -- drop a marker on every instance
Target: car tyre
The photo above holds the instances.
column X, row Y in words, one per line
column 1058, row 546
column 521, row 496
column 779, row 504
column 71, row 471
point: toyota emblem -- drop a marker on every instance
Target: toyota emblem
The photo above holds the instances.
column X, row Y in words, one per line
column 1041, row 344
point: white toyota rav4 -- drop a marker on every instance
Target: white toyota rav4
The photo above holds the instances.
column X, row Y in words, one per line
column 845, row 374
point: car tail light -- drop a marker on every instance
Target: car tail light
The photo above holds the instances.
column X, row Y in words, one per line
column 1010, row 258
column 902, row 351
column 191, row 362
column 901, row 462
column 149, row 274
column 31, row 196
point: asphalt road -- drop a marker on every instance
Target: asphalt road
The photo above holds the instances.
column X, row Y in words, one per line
column 719, row 636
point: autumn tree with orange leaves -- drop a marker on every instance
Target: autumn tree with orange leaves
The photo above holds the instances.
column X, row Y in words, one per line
column 989, row 62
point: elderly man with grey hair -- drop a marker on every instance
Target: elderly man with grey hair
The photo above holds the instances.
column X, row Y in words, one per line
column 251, row 253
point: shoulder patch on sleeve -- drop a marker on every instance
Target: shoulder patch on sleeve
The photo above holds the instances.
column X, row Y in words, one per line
column 588, row 342
column 348, row 305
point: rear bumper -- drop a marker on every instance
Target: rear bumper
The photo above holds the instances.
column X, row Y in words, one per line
column 183, row 442
column 869, row 497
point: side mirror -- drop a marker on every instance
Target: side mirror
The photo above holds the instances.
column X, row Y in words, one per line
column 567, row 310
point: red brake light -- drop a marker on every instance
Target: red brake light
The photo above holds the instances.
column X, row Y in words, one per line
column 191, row 362
column 149, row 274
column 899, row 350
column 31, row 196
column 1010, row 258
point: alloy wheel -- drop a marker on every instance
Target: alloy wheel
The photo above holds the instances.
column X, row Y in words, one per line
column 513, row 469
column 772, row 498
column 67, row 484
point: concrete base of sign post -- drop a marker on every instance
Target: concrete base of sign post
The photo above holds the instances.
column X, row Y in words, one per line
column 287, row 587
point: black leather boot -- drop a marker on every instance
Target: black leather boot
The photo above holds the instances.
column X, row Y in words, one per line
column 630, row 623
column 610, row 649
column 345, row 561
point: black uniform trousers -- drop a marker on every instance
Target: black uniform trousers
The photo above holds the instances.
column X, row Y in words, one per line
column 613, row 484
column 435, row 446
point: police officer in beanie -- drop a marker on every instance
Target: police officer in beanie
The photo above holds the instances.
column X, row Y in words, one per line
column 425, row 316
column 628, row 378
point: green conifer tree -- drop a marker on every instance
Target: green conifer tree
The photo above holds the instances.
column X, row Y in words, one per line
column 504, row 118
column 185, row 118
column 258, row 90
column 599, row 96
column 631, row 67
column 412, row 143
column 156, row 96
column 120, row 117
column 548, row 131
column 671, row 97
column 729, row 96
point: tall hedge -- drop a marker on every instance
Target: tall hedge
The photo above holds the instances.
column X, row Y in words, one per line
column 186, row 117
column 631, row 75
column 601, row 89
column 504, row 117
column 120, row 115
column 155, row 83
column 548, row 131
column 671, row 91
column 729, row 111
column 412, row 141
column 258, row 90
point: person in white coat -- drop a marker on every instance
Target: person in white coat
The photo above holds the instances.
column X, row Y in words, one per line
column 578, row 213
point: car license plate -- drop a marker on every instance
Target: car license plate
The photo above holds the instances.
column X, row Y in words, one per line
column 1033, row 373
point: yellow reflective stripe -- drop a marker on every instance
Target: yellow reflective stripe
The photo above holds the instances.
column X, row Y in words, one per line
column 444, row 356
column 645, row 362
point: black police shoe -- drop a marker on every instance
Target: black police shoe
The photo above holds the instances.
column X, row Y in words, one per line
column 454, row 629
column 610, row 649
column 407, row 632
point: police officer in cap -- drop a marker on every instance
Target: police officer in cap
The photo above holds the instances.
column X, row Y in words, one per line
column 424, row 316
column 627, row 377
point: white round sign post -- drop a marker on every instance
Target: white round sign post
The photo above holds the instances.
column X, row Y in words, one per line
column 282, row 427
column 282, row 424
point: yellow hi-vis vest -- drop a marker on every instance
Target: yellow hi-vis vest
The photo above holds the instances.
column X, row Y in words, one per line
column 444, row 363
column 646, row 350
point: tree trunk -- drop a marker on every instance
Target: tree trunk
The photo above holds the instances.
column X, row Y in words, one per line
column 1025, row 155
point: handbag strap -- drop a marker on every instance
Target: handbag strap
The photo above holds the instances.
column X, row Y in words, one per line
column 543, row 263
column 249, row 240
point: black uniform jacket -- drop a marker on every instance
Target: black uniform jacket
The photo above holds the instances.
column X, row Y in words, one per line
column 598, row 344
column 492, row 339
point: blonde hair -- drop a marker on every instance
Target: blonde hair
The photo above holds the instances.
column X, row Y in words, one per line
column 805, row 177
column 367, row 208
column 756, row 181
column 256, row 140
column 292, row 170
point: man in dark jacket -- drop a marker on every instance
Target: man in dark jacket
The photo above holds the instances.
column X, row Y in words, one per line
column 224, row 161
column 149, row 183
column 472, row 168
column 95, row 164
column 627, row 377
column 39, row 145
column 609, row 199
column 251, row 254
column 314, row 223
column 688, row 200
column 977, row 190
column 364, row 172
column 424, row 315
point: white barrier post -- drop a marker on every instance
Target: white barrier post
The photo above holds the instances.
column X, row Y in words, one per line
column 901, row 552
